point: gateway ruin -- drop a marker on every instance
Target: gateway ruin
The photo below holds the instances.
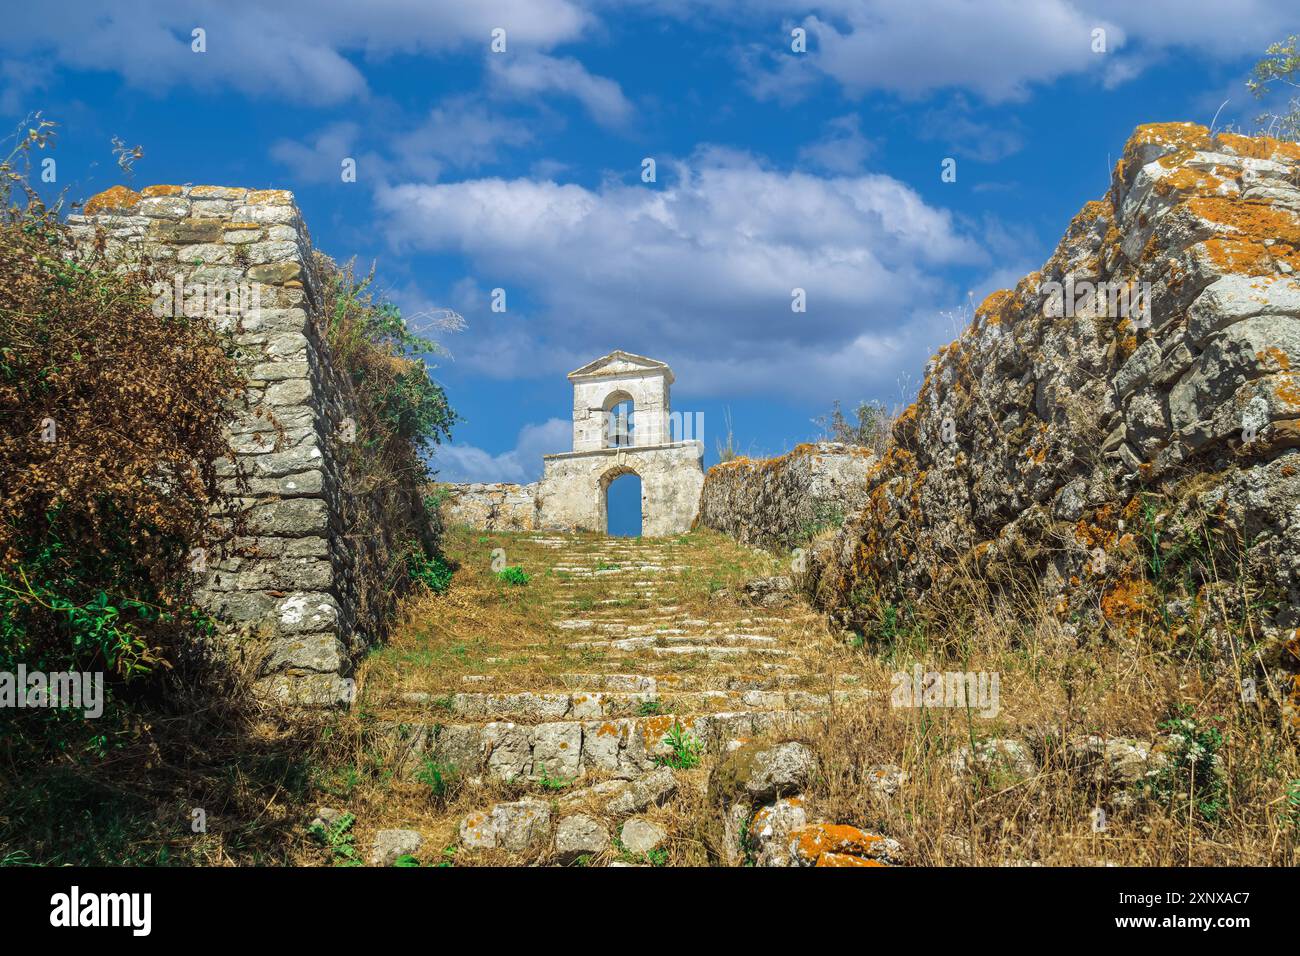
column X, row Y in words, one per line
column 622, row 425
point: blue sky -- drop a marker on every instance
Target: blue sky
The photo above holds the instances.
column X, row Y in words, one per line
column 522, row 169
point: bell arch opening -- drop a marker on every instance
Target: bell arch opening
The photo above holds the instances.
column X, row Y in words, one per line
column 618, row 419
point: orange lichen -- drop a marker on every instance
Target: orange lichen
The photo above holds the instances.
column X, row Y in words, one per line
column 1184, row 179
column 844, row 859
column 1282, row 360
column 259, row 197
column 110, row 200
column 1190, row 136
column 1286, row 390
column 810, row 842
column 1128, row 603
column 1260, row 147
column 1249, row 224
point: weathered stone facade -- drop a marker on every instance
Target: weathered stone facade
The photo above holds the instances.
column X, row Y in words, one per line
column 492, row 506
column 243, row 259
column 1052, row 439
column 572, row 493
column 782, row 502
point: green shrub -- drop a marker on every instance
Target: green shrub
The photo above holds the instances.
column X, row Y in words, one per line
column 432, row 571
column 513, row 575
column 1193, row 776
column 439, row 777
column 686, row 750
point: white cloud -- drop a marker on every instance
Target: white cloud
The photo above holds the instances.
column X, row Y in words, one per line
column 304, row 50
column 462, row 132
column 998, row 49
column 296, row 49
column 698, row 272
column 522, row 464
column 536, row 74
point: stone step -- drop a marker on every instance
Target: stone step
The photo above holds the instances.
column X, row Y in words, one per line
column 592, row 571
column 618, row 626
column 539, row 707
column 679, row 638
column 768, row 679
column 568, row 749
column 665, row 609
column 639, row 586
column 723, row 646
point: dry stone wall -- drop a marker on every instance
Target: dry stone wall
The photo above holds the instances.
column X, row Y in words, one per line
column 1058, row 431
column 781, row 502
column 494, row 506
column 288, row 583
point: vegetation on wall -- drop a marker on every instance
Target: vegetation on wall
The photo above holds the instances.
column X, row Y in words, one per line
column 870, row 427
column 401, row 413
column 1280, row 66
column 111, row 421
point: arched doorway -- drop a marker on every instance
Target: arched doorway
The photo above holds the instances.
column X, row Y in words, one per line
column 622, row 503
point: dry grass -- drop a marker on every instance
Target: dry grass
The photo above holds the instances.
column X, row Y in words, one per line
column 1056, row 683
column 1059, row 683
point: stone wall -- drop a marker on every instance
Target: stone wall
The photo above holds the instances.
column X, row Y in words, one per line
column 780, row 503
column 243, row 259
column 499, row 506
column 1048, row 444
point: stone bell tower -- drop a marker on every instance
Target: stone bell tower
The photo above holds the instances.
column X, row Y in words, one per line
column 573, row 485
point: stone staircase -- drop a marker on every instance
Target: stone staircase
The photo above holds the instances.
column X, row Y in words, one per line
column 667, row 685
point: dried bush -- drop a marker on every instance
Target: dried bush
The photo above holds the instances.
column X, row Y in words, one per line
column 111, row 422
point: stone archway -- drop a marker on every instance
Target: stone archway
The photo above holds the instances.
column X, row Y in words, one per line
column 606, row 479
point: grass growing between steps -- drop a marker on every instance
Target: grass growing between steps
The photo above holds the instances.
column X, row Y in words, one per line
column 509, row 637
column 488, row 625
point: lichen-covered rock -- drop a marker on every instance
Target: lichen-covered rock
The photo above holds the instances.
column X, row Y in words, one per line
column 809, row 844
column 391, row 844
column 635, row 795
column 884, row 779
column 845, row 859
column 640, row 836
column 1106, row 763
column 507, row 826
column 580, row 835
column 757, row 773
column 769, row 592
column 1150, row 367
column 770, row 827
column 999, row 757
column 326, row 817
